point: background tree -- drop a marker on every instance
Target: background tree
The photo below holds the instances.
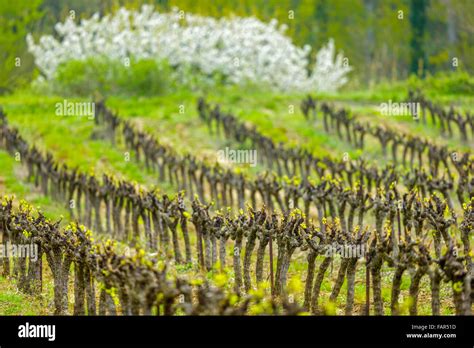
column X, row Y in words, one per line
column 417, row 41
column 17, row 18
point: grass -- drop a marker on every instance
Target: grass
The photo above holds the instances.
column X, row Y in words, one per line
column 13, row 302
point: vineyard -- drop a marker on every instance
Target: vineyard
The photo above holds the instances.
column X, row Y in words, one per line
column 280, row 240
column 228, row 199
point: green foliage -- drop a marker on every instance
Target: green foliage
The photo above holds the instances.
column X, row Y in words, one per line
column 108, row 77
column 17, row 18
column 451, row 83
column 13, row 302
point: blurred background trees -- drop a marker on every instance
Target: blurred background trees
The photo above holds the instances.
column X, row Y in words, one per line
column 384, row 40
column 17, row 18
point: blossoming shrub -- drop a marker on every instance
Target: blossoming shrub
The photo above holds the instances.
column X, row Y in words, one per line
column 237, row 50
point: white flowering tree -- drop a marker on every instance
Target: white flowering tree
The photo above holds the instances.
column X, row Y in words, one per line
column 241, row 50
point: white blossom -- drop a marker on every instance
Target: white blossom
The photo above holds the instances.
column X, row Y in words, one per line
column 241, row 49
